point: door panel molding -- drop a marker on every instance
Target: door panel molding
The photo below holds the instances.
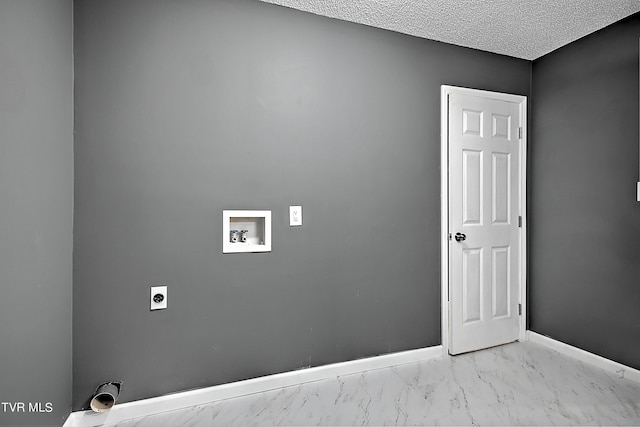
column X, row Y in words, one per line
column 473, row 125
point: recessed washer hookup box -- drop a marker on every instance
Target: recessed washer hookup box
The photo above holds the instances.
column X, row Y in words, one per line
column 246, row 231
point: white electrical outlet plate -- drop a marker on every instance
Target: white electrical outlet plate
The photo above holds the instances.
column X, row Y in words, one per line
column 638, row 191
column 295, row 216
column 158, row 297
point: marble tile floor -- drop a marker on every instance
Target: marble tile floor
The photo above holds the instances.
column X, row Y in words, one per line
column 516, row 384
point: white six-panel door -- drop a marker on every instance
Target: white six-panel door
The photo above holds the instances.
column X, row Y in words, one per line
column 484, row 209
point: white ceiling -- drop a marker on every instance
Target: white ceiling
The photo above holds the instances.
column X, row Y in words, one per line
column 524, row 29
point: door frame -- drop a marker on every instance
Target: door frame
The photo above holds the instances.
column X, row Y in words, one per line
column 446, row 90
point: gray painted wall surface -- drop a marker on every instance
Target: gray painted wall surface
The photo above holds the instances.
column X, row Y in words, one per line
column 585, row 251
column 186, row 108
column 36, row 202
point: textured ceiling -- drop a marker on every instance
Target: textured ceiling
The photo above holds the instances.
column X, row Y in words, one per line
column 524, row 29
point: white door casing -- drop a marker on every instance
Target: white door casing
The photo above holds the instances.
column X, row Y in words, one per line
column 483, row 169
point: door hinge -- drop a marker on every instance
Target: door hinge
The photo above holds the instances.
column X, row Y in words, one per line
column 520, row 221
column 449, row 236
column 519, row 309
column 519, row 133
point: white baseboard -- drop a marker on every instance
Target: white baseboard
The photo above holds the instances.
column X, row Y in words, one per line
column 156, row 405
column 619, row 369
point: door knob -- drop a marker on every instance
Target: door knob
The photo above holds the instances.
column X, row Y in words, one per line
column 460, row 237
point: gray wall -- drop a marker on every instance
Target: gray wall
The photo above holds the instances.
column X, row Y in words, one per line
column 36, row 202
column 186, row 108
column 585, row 248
